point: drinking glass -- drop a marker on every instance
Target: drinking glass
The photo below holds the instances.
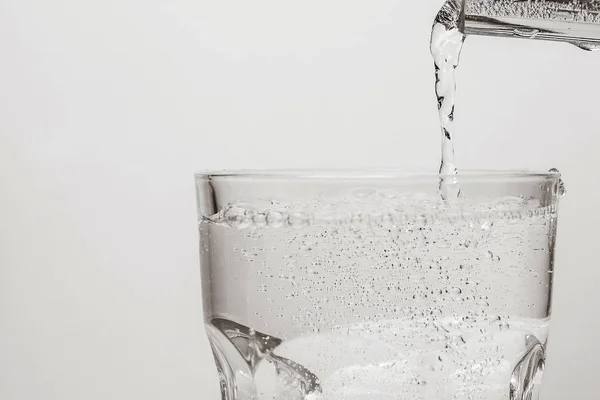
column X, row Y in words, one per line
column 361, row 285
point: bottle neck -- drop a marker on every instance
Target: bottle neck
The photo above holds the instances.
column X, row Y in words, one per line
column 555, row 20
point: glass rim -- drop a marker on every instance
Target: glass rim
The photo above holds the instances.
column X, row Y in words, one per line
column 374, row 174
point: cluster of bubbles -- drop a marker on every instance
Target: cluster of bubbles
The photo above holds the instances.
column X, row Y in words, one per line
column 242, row 216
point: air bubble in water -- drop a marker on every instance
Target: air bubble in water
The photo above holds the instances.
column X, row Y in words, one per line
column 297, row 219
column 455, row 291
column 260, row 220
column 486, row 229
column 237, row 217
column 275, row 219
column 503, row 325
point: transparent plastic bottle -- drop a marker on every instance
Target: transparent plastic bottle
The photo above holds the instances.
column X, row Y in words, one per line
column 572, row 21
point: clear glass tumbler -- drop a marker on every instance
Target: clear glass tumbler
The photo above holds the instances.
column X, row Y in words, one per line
column 368, row 285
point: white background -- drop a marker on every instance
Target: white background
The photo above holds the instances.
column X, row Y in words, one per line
column 108, row 107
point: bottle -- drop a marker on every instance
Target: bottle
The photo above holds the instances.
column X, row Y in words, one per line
column 572, row 21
